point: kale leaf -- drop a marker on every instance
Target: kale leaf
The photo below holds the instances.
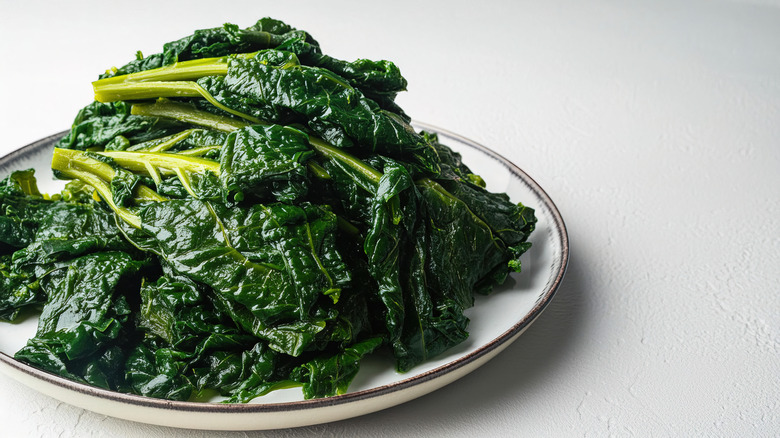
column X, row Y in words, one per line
column 247, row 213
column 87, row 314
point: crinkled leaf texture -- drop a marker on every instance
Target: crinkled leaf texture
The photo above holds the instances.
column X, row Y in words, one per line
column 266, row 224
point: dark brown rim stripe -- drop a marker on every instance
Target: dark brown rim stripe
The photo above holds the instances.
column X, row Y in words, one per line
column 550, row 288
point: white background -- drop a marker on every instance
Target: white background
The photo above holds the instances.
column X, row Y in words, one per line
column 653, row 125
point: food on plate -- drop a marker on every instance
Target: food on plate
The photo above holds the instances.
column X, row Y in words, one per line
column 246, row 213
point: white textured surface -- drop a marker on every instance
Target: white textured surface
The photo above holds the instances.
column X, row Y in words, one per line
column 654, row 126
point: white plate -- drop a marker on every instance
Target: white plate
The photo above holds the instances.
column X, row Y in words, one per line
column 496, row 321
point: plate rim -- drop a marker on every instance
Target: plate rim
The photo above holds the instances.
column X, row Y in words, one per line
column 484, row 351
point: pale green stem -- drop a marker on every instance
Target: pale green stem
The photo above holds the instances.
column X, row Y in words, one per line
column 186, row 113
column 318, row 170
column 63, row 165
column 162, row 144
column 335, row 153
column 137, row 161
column 197, row 152
column 63, row 159
column 154, row 90
column 181, row 71
column 145, row 90
column 185, row 181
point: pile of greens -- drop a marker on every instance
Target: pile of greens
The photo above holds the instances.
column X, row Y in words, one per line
column 247, row 213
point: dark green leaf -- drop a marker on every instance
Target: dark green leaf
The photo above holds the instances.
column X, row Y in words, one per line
column 86, row 313
column 266, row 161
column 331, row 375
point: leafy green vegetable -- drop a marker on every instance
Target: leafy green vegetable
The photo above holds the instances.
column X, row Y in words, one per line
column 332, row 375
column 21, row 209
column 379, row 80
column 272, row 86
column 86, row 314
column 17, row 290
column 102, row 124
column 266, row 160
column 246, row 213
column 277, row 260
